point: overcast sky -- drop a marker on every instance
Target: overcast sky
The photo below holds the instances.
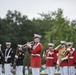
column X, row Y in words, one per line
column 31, row 8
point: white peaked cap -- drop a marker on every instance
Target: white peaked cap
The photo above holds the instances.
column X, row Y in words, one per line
column 37, row 35
column 69, row 43
column 50, row 44
column 19, row 45
column 8, row 43
column 63, row 42
column 0, row 44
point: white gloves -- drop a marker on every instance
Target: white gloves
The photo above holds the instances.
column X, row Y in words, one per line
column 29, row 45
column 50, row 53
column 16, row 56
column 73, row 49
column 64, row 58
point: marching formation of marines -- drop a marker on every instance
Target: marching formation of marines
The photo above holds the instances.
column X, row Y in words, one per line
column 62, row 57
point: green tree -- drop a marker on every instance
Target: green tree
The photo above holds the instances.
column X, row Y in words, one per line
column 61, row 29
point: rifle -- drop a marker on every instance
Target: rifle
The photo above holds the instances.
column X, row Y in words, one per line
column 1, row 53
column 14, row 64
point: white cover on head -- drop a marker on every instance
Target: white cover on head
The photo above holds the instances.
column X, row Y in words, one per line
column 69, row 43
column 19, row 45
column 50, row 44
column 63, row 42
column 37, row 35
column 8, row 43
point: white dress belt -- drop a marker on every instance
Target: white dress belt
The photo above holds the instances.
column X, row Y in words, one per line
column 49, row 57
column 35, row 54
column 71, row 57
